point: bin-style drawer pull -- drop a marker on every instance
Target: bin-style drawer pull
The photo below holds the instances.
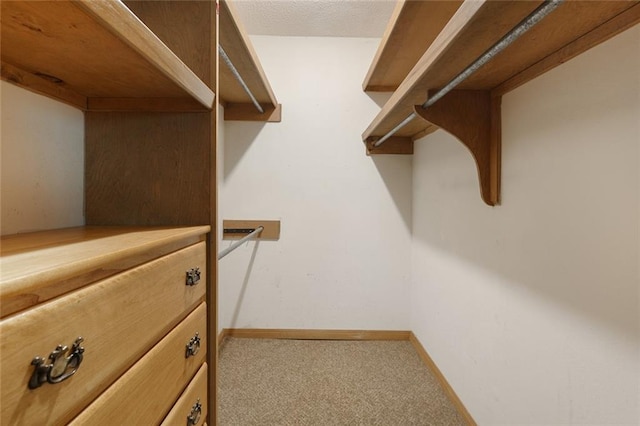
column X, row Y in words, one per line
column 196, row 411
column 193, row 347
column 61, row 368
column 193, row 276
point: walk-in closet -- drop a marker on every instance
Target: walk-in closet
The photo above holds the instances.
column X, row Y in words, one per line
column 320, row 212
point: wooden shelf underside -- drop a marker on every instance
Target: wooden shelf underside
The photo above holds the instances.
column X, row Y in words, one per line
column 572, row 28
column 413, row 26
column 95, row 56
column 236, row 43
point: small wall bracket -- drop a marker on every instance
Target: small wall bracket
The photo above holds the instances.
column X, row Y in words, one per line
column 393, row 145
column 474, row 117
column 238, row 229
column 248, row 112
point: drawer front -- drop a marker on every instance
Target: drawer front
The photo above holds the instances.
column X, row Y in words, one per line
column 184, row 412
column 41, row 266
column 120, row 318
column 146, row 392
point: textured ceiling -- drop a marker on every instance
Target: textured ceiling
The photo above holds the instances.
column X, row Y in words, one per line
column 329, row 18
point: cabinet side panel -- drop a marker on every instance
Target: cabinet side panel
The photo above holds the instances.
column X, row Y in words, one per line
column 212, row 289
column 147, row 168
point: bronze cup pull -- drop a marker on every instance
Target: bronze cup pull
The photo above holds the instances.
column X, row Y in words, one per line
column 193, row 276
column 193, row 347
column 196, row 411
column 61, row 368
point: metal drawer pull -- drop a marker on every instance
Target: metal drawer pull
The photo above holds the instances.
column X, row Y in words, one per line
column 193, row 276
column 61, row 367
column 196, row 412
column 193, row 347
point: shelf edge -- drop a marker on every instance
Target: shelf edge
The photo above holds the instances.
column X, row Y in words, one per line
column 227, row 9
column 117, row 18
column 458, row 23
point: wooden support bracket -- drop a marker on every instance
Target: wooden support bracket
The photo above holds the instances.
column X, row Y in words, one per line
column 393, row 145
column 248, row 112
column 271, row 229
column 473, row 116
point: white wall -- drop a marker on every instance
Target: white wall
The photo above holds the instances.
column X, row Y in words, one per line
column 343, row 259
column 531, row 309
column 42, row 162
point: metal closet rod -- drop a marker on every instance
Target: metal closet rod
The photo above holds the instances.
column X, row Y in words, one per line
column 525, row 25
column 238, row 243
column 238, row 77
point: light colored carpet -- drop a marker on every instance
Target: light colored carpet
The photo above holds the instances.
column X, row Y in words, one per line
column 313, row 382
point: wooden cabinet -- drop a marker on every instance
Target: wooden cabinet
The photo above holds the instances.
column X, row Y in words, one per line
column 135, row 324
column 146, row 75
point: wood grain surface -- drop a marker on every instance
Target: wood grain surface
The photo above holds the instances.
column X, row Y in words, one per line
column 147, row 391
column 39, row 266
column 120, row 319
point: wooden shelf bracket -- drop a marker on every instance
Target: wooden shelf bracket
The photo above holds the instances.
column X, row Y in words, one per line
column 394, row 145
column 271, row 231
column 474, row 117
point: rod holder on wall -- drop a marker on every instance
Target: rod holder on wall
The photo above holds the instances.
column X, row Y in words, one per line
column 245, row 230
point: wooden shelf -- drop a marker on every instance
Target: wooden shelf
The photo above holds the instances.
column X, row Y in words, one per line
column 574, row 27
column 236, row 44
column 95, row 55
column 413, row 26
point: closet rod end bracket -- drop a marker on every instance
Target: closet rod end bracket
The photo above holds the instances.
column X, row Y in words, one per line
column 394, row 145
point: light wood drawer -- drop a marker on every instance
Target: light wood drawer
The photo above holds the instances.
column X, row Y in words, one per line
column 120, row 318
column 196, row 392
column 40, row 266
column 146, row 392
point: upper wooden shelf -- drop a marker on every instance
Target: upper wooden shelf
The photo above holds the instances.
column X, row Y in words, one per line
column 236, row 44
column 413, row 26
column 572, row 28
column 95, row 55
